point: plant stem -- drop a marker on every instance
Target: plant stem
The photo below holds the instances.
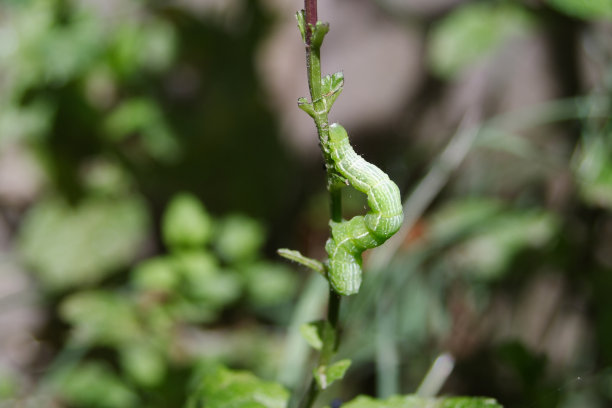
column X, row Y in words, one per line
column 313, row 65
column 311, row 17
column 331, row 341
column 311, row 395
column 333, row 314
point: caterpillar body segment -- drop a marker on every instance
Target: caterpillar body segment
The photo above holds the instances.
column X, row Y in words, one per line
column 350, row 238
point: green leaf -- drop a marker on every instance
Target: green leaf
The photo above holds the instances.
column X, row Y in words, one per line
column 224, row 388
column 269, row 283
column 585, row 9
column 9, row 385
column 143, row 118
column 487, row 237
column 239, row 238
column 93, row 385
column 186, row 224
column 331, row 87
column 460, row 217
column 594, row 173
column 472, row 31
column 301, row 20
column 327, row 375
column 143, row 363
column 306, row 106
column 191, row 311
column 318, row 34
column 488, row 254
column 296, row 256
column 313, row 333
column 73, row 246
column 469, row 402
column 142, row 46
column 157, row 45
column 156, row 274
column 412, row 401
column 205, row 280
column 101, row 318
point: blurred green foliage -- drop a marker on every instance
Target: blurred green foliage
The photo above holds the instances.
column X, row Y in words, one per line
column 416, row 402
column 141, row 322
column 592, row 9
column 135, row 85
column 70, row 247
column 472, row 31
column 488, row 237
column 144, row 291
column 220, row 388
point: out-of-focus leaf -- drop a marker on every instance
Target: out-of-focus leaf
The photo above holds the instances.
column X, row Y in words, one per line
column 186, row 223
column 460, row 217
column 488, row 238
column 67, row 51
column 223, row 388
column 101, row 318
column 205, row 280
column 73, row 246
column 187, row 310
column 585, row 9
column 106, row 178
column 157, row 274
column 9, row 385
column 327, row 375
column 28, row 122
column 159, row 45
column 143, row 363
column 239, row 238
column 472, row 31
column 136, row 46
column 93, row 385
column 53, row 53
column 594, row 173
column 269, row 283
column 489, row 252
column 313, row 333
column 411, row 401
column 143, row 117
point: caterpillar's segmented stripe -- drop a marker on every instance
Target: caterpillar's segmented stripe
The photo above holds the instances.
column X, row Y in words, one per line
column 350, row 238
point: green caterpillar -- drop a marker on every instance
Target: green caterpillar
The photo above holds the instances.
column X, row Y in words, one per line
column 350, row 238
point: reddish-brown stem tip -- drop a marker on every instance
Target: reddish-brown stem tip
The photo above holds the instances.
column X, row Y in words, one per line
column 311, row 16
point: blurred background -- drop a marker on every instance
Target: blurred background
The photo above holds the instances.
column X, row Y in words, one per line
column 152, row 159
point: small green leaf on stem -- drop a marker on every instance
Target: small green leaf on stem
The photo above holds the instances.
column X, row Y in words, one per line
column 313, row 333
column 296, row 256
column 327, row 375
column 306, row 106
column 332, row 84
column 318, row 34
column 301, row 19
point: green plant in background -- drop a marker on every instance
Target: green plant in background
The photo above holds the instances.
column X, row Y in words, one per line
column 124, row 109
column 211, row 264
column 133, row 86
